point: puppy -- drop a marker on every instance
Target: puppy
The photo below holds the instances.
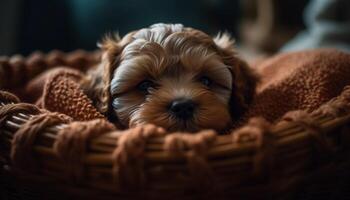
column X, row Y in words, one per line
column 172, row 76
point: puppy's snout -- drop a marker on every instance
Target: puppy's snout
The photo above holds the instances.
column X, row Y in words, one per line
column 182, row 108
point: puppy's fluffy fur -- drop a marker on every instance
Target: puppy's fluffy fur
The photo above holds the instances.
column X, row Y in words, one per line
column 173, row 60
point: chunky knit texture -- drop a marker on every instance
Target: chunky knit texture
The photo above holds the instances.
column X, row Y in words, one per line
column 299, row 80
column 61, row 93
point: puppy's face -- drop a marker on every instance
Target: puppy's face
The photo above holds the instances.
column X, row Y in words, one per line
column 175, row 77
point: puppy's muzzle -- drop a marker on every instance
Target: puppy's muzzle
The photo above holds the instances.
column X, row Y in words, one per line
column 182, row 109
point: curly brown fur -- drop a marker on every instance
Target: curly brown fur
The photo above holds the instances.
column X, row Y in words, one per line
column 179, row 63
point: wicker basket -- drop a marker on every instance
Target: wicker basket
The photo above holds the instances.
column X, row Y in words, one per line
column 296, row 159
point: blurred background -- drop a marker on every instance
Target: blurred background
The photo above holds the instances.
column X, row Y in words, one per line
column 261, row 27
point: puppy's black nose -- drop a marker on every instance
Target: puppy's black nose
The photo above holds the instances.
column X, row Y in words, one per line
column 182, row 108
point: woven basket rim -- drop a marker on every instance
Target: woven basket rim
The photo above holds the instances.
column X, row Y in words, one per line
column 222, row 152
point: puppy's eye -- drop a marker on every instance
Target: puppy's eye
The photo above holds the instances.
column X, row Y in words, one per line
column 205, row 81
column 145, row 85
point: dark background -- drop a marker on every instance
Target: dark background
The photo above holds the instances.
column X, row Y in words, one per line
column 70, row 24
column 259, row 26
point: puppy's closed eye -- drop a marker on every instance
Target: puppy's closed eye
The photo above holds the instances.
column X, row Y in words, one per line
column 145, row 85
column 205, row 81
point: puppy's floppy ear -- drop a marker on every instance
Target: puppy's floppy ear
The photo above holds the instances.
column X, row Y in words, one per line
column 97, row 82
column 244, row 78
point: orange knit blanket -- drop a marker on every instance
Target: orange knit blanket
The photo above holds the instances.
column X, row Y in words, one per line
column 290, row 81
